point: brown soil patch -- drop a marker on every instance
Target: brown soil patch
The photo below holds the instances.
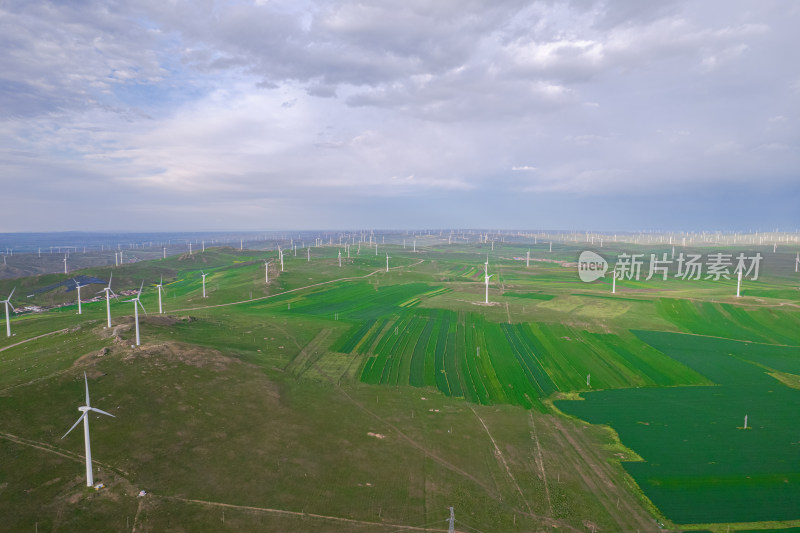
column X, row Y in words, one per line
column 187, row 354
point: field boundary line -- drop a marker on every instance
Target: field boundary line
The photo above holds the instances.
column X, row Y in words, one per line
column 502, row 459
column 595, row 473
column 4, row 348
column 540, row 461
column 52, row 449
column 302, row 514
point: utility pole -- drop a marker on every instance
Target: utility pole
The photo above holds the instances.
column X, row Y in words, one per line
column 452, row 521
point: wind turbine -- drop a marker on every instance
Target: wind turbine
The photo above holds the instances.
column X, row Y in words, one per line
column 65, row 264
column 108, row 292
column 739, row 283
column 387, row 262
column 340, row 259
column 614, row 282
column 528, row 259
column 281, row 254
column 85, row 417
column 78, row 287
column 487, row 276
column 160, row 287
column 797, row 262
column 8, row 305
column 266, row 270
column 309, row 254
column 136, row 305
column 204, row 282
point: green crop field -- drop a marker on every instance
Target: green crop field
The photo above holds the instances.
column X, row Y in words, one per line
column 354, row 399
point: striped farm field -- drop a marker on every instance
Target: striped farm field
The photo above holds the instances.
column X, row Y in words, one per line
column 464, row 355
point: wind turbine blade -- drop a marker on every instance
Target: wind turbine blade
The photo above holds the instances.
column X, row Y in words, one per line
column 140, row 305
column 140, row 289
column 12, row 294
column 75, row 424
column 86, row 381
column 96, row 410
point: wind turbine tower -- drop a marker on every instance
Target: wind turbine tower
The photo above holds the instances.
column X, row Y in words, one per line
column 387, row 262
column 85, row 409
column 340, row 259
column 108, row 292
column 136, row 305
column 266, row 270
column 204, row 283
column 65, row 264
column 487, row 276
column 78, row 288
column 528, row 259
column 8, row 305
column 160, row 287
column 739, row 283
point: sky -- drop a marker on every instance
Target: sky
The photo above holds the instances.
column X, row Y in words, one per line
column 173, row 115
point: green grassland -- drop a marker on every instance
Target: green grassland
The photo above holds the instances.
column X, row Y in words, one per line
column 353, row 399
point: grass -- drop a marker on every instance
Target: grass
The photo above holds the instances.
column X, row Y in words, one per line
column 276, row 397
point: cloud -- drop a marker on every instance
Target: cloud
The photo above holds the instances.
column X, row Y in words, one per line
column 328, row 101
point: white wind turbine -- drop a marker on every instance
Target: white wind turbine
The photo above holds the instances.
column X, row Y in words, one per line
column 108, row 292
column 136, row 305
column 739, row 283
column 281, row 254
column 204, row 282
column 8, row 305
column 340, row 258
column 160, row 288
column 266, row 270
column 797, row 262
column 65, row 264
column 85, row 409
column 487, row 276
column 78, row 287
column 387, row 262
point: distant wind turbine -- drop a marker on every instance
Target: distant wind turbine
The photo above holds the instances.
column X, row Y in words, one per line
column 266, row 270
column 8, row 305
column 136, row 305
column 78, row 287
column 528, row 259
column 739, row 283
column 387, row 262
column 340, row 259
column 487, row 276
column 204, row 283
column 108, row 292
column 65, row 264
column 160, row 288
column 85, row 409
